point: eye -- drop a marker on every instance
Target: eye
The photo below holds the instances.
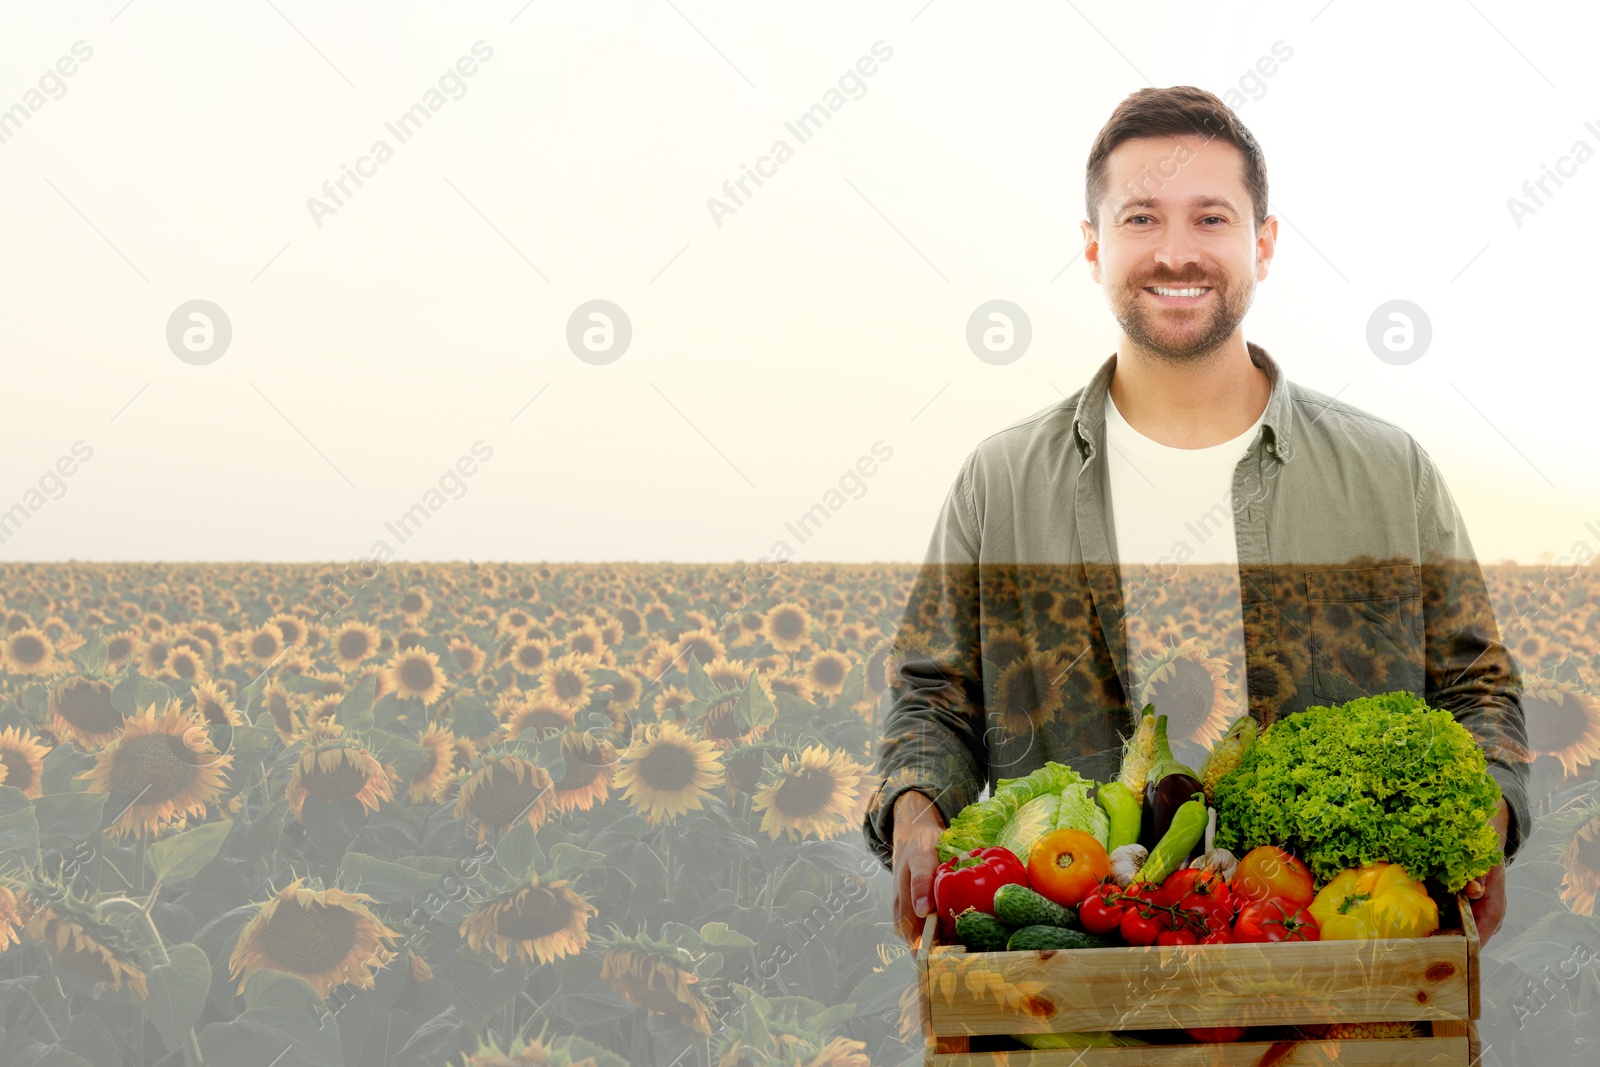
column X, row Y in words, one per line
column 1219, row 218
column 1133, row 217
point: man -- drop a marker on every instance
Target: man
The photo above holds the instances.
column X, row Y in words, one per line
column 1332, row 556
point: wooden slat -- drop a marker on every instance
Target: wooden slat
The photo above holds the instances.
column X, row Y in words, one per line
column 1469, row 926
column 1213, row 985
column 1408, row 1052
column 924, row 943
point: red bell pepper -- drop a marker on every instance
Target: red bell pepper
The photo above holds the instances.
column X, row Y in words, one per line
column 970, row 881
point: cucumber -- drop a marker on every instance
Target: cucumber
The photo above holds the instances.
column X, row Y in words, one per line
column 980, row 932
column 1017, row 905
column 1032, row 937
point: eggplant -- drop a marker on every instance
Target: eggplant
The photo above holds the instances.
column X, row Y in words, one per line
column 1168, row 787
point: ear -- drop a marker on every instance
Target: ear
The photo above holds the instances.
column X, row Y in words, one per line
column 1091, row 249
column 1266, row 246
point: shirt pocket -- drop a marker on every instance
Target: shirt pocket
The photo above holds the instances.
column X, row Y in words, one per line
column 1366, row 631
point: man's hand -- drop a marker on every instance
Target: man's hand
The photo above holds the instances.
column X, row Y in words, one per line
column 917, row 826
column 1488, row 894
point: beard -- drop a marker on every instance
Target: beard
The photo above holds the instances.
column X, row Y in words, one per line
column 1182, row 334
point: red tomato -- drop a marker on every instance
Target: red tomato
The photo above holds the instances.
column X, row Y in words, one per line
column 1098, row 914
column 1275, row 919
column 1140, row 926
column 1179, row 884
column 1181, row 936
column 1219, row 936
column 1269, row 871
column 1215, row 1033
column 1208, row 906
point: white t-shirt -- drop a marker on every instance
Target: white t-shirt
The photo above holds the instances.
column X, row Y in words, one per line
column 1172, row 509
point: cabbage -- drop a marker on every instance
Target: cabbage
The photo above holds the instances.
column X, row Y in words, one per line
column 1022, row 810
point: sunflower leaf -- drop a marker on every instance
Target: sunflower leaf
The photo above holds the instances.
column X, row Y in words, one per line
column 19, row 827
column 355, row 710
column 179, row 858
column 178, row 992
column 854, row 685
column 91, row 655
column 518, row 852
column 568, row 860
column 719, row 935
column 700, row 683
column 754, row 708
column 66, row 818
column 280, row 989
column 134, row 693
column 385, row 882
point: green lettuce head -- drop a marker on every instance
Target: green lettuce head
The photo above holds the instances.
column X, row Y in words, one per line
column 1022, row 810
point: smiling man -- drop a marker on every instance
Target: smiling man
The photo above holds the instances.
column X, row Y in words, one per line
column 1189, row 529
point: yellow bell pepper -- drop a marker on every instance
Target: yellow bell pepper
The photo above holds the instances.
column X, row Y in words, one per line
column 1377, row 901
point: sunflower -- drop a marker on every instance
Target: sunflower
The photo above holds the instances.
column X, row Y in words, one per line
column 415, row 605
column 414, row 672
column 166, row 763
column 182, row 662
column 703, row 644
column 121, row 650
column 543, row 921
column 826, row 671
column 519, row 713
column 296, row 633
column 658, row 976
column 590, row 763
column 586, row 640
column 468, row 657
column 521, row 791
column 333, row 768
column 28, row 651
column 666, row 772
column 567, row 680
column 1028, row 692
column 353, row 643
column 787, row 627
column 1191, row 688
column 814, row 794
column 625, row 691
column 1580, row 862
column 728, row 673
column 264, row 644
column 439, row 744
column 11, row 916
column 326, row 936
column 1562, row 721
column 22, row 761
column 81, row 710
column 284, row 707
column 796, row 685
column 78, row 941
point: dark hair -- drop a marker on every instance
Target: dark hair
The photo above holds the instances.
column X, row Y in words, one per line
column 1178, row 111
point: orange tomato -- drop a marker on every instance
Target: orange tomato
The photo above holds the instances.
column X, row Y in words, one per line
column 1066, row 865
column 1269, row 871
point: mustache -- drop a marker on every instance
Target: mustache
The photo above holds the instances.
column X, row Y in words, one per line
column 1178, row 282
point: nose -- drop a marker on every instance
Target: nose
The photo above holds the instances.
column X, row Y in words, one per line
column 1179, row 253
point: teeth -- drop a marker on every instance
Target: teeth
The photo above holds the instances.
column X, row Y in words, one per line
column 1163, row 291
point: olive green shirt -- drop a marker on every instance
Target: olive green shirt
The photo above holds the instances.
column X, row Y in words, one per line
column 1356, row 576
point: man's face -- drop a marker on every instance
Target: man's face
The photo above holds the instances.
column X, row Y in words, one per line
column 1177, row 217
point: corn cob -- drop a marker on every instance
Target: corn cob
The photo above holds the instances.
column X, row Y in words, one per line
column 1227, row 753
column 1139, row 754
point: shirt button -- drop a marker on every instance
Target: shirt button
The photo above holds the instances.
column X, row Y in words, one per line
column 1272, row 448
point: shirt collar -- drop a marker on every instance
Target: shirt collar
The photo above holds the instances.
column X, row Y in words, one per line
column 1090, row 418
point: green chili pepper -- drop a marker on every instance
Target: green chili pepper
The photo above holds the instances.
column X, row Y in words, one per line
column 1188, row 827
column 1123, row 810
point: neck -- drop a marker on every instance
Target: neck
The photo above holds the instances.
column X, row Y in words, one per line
column 1194, row 404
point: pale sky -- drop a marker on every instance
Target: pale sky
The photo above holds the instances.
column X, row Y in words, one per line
column 374, row 344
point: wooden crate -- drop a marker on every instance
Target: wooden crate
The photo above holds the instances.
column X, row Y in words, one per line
column 1431, row 981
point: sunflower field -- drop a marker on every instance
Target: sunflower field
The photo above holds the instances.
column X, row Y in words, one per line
column 470, row 814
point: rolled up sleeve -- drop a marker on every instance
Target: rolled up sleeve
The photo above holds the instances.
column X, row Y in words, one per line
column 933, row 735
column 1469, row 671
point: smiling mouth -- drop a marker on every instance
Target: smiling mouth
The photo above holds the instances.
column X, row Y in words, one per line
column 1177, row 295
